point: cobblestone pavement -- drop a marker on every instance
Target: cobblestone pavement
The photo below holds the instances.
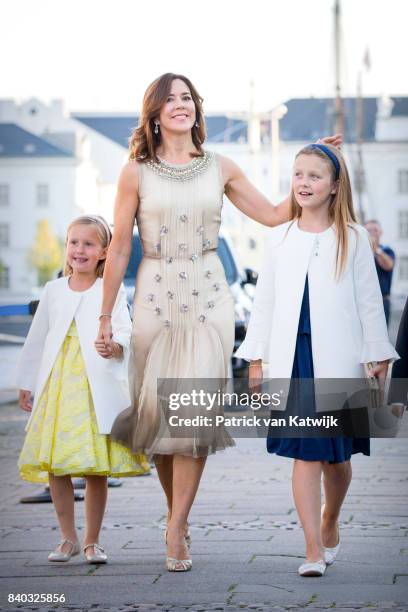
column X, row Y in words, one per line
column 247, row 543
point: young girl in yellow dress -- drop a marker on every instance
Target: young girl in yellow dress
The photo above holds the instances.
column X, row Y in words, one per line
column 80, row 387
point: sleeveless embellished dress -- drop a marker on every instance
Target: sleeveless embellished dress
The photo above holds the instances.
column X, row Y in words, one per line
column 183, row 314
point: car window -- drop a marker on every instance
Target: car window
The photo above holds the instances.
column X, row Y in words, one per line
column 224, row 253
column 135, row 258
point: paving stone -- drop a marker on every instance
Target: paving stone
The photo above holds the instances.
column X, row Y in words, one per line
column 247, row 541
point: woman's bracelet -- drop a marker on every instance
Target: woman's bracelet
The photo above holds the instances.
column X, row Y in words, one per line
column 105, row 315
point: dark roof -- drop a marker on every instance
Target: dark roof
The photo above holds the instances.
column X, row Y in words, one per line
column 309, row 118
column 219, row 127
column 62, row 140
column 400, row 108
column 117, row 128
column 17, row 142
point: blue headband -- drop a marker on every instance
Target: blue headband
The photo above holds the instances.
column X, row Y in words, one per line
column 330, row 155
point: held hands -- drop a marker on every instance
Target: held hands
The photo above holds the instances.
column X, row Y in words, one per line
column 104, row 344
column 24, row 399
column 379, row 372
column 114, row 350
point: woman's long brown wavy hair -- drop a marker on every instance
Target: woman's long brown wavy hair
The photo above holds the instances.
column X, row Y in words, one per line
column 143, row 142
column 341, row 210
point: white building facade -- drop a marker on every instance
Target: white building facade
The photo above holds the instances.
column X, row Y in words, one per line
column 41, row 177
column 74, row 164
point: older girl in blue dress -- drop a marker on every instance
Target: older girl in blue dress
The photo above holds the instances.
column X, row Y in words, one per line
column 318, row 314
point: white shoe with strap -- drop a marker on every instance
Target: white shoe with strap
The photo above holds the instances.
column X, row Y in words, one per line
column 97, row 556
column 62, row 557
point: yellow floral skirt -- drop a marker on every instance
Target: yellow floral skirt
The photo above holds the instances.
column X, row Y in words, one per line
column 62, row 437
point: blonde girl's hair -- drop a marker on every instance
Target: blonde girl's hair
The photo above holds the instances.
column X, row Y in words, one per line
column 144, row 141
column 104, row 235
column 341, row 210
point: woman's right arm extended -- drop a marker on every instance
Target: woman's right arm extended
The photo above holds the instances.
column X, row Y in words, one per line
column 127, row 201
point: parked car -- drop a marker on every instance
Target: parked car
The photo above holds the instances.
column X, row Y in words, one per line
column 237, row 279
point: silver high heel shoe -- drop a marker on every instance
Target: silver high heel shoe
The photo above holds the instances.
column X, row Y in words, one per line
column 98, row 556
column 178, row 565
column 62, row 557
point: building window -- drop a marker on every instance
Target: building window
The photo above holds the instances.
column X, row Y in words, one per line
column 403, row 181
column 4, row 234
column 42, row 195
column 403, row 267
column 4, row 194
column 403, row 224
column 4, row 277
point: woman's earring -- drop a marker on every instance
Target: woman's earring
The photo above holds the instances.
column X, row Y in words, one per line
column 197, row 124
column 156, row 128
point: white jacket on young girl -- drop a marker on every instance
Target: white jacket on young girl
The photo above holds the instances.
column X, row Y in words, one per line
column 348, row 325
column 108, row 378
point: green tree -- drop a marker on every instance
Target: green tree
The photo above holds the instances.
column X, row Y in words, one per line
column 46, row 253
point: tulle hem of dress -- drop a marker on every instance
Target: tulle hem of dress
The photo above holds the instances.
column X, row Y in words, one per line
column 205, row 452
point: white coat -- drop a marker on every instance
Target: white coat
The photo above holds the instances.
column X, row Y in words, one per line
column 108, row 379
column 347, row 317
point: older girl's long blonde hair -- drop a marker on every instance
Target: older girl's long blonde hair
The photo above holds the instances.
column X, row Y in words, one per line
column 104, row 235
column 341, row 210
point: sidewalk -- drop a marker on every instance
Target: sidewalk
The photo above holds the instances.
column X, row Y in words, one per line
column 247, row 544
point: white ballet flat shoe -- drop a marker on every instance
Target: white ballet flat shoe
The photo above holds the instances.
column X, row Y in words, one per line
column 330, row 554
column 178, row 565
column 63, row 557
column 98, row 556
column 312, row 569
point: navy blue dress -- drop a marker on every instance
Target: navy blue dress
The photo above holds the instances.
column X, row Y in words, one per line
column 333, row 450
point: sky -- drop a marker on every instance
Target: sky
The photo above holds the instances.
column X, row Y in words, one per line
column 100, row 55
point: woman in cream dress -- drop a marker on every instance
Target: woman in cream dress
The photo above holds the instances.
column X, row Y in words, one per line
column 183, row 318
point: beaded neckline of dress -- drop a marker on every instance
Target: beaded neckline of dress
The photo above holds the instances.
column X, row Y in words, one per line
column 181, row 172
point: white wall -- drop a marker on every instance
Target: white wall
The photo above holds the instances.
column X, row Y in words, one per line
column 383, row 200
column 391, row 129
column 73, row 190
column 108, row 156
